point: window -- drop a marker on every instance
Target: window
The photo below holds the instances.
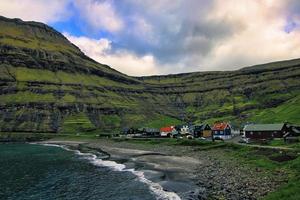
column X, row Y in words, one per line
column 221, row 132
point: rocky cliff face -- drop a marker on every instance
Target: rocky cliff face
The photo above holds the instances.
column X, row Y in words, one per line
column 48, row 85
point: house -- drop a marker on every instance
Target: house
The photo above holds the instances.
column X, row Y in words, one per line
column 292, row 136
column 128, row 131
column 178, row 128
column 293, row 130
column 151, row 132
column 222, row 131
column 167, row 131
column 203, row 130
column 131, row 132
column 265, row 131
column 185, row 130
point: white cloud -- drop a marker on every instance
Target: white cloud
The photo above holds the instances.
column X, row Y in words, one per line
column 215, row 35
column 260, row 39
column 35, row 10
column 99, row 14
column 142, row 29
column 171, row 36
column 122, row 60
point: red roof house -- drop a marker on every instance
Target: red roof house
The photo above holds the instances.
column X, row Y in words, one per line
column 222, row 130
column 167, row 129
column 220, row 126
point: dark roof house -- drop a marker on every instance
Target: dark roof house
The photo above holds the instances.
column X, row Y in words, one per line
column 265, row 131
column 202, row 130
column 154, row 132
column 293, row 130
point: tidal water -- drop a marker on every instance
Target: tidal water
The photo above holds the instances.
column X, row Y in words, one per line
column 29, row 171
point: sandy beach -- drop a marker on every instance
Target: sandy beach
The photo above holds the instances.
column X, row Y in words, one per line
column 190, row 173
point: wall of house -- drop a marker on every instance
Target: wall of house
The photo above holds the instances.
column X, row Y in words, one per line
column 206, row 133
column 263, row 134
column 223, row 132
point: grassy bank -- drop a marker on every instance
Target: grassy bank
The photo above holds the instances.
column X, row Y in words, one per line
column 276, row 162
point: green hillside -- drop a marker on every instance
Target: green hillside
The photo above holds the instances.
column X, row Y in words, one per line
column 48, row 85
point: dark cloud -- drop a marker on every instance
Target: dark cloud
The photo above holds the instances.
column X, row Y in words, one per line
column 180, row 36
column 178, row 31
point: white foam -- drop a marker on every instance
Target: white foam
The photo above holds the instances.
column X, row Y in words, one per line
column 154, row 187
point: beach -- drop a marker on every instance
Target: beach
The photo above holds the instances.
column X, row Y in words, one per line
column 185, row 170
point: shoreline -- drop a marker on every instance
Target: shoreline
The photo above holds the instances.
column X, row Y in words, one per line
column 156, row 168
column 188, row 171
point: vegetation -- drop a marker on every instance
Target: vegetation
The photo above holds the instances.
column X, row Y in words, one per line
column 48, row 85
column 161, row 121
column 77, row 123
column 289, row 111
column 287, row 162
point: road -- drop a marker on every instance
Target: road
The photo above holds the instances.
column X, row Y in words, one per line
column 236, row 140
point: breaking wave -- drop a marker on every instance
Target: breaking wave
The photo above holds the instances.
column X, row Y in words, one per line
column 92, row 158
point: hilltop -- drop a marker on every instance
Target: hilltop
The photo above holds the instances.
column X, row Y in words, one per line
column 48, row 85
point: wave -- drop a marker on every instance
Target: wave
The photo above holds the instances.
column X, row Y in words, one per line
column 92, row 158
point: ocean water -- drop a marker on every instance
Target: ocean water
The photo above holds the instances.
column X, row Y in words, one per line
column 31, row 171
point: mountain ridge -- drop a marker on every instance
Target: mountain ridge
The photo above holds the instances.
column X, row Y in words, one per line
column 48, row 85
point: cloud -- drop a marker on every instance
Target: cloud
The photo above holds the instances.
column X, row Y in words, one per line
column 99, row 14
column 35, row 10
column 262, row 37
column 122, row 60
column 170, row 36
column 200, row 35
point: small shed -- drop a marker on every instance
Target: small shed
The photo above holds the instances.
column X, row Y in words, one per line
column 222, row 130
column 202, row 130
column 265, row 131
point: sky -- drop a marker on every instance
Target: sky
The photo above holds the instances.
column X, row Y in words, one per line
column 146, row 37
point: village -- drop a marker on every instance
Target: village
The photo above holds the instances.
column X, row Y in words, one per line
column 222, row 131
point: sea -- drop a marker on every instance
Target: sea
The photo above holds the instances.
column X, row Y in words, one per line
column 48, row 172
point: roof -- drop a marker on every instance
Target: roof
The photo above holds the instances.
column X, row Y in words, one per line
column 220, row 126
column 296, row 130
column 167, row 129
column 264, row 127
column 202, row 126
column 151, row 130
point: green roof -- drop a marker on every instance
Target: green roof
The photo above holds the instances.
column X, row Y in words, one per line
column 264, row 127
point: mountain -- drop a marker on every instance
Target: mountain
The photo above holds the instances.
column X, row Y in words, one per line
column 48, row 85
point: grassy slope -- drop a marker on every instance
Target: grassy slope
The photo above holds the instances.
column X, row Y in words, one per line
column 239, row 96
column 41, row 66
column 289, row 111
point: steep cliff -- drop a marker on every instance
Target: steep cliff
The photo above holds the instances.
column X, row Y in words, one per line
column 48, row 85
